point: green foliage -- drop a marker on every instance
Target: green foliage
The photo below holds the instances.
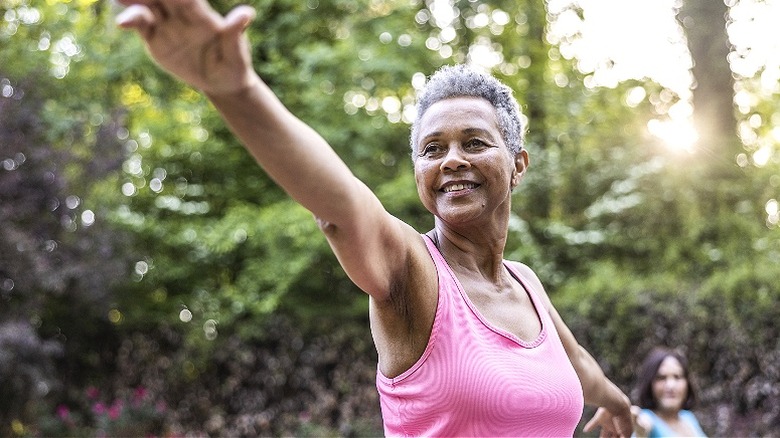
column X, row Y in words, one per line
column 196, row 196
column 724, row 324
column 201, row 279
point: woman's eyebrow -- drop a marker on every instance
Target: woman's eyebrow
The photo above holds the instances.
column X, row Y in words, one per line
column 464, row 131
column 468, row 131
column 487, row 134
column 476, row 131
column 431, row 134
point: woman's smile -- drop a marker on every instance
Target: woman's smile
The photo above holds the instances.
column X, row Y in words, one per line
column 459, row 188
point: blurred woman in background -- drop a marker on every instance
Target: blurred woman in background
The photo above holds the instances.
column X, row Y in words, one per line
column 665, row 396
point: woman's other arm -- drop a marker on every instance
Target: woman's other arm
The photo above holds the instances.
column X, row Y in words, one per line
column 614, row 414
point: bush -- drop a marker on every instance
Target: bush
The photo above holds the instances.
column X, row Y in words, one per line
column 135, row 414
column 726, row 325
column 27, row 371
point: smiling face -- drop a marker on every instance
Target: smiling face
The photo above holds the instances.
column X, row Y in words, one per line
column 463, row 168
column 670, row 386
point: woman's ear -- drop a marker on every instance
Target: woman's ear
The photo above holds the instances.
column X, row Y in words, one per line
column 521, row 164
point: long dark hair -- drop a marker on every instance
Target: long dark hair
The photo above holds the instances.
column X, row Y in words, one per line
column 648, row 371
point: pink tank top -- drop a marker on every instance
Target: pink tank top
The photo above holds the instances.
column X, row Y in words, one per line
column 475, row 379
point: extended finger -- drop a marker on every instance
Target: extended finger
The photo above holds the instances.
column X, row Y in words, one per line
column 589, row 425
column 138, row 17
column 158, row 7
column 595, row 420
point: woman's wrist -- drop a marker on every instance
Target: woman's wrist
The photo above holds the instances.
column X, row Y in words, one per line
column 619, row 401
column 249, row 85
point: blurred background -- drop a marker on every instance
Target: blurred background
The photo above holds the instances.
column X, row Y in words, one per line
column 154, row 282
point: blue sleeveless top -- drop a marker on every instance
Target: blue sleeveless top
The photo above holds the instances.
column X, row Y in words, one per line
column 661, row 429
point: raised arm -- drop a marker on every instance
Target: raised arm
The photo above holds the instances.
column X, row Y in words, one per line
column 614, row 413
column 211, row 52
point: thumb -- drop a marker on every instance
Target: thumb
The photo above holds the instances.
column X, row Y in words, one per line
column 237, row 20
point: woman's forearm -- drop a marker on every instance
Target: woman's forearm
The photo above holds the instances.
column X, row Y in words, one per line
column 597, row 388
column 294, row 155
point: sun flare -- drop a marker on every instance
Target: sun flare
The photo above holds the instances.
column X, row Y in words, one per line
column 676, row 134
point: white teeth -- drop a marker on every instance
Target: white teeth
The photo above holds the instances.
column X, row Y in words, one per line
column 456, row 187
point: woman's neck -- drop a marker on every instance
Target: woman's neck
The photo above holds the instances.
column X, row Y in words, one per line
column 667, row 415
column 476, row 252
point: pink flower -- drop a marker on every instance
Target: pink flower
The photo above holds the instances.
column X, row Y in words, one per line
column 63, row 412
column 138, row 396
column 99, row 408
column 92, row 393
column 115, row 411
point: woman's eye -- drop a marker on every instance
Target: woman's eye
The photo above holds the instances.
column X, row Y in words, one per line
column 476, row 143
column 430, row 149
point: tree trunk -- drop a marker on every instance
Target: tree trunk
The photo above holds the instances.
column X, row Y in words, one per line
column 704, row 23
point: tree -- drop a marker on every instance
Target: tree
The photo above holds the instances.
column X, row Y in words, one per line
column 681, row 263
column 704, row 23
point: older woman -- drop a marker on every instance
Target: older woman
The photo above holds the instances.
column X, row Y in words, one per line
column 468, row 343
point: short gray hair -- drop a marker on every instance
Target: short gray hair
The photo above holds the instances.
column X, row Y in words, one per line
column 464, row 81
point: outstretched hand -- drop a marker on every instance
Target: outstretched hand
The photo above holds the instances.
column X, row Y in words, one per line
column 611, row 425
column 193, row 42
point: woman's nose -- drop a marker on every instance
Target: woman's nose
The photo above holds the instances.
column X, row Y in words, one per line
column 455, row 159
column 670, row 382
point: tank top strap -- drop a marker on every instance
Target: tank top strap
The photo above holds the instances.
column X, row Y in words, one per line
column 438, row 258
column 541, row 310
column 535, row 298
column 451, row 293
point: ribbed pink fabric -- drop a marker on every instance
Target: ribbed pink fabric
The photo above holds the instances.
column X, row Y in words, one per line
column 477, row 380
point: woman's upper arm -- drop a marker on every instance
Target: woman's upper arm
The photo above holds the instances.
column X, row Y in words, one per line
column 374, row 247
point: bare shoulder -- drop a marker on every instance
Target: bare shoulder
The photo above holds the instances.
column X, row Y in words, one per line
column 532, row 279
column 378, row 251
column 528, row 275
